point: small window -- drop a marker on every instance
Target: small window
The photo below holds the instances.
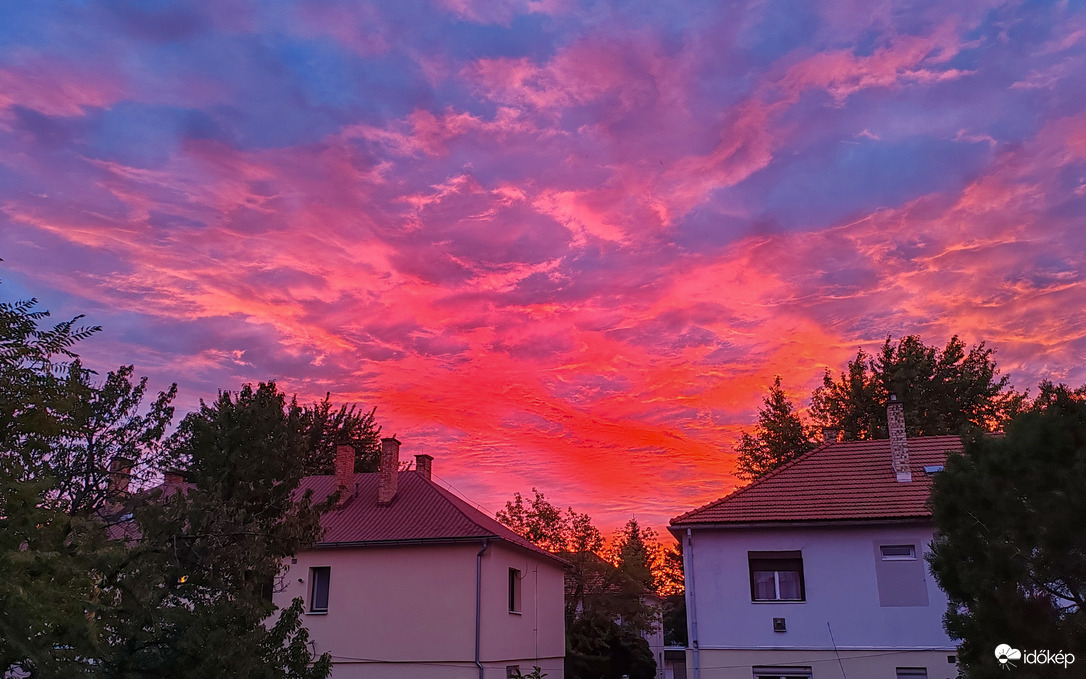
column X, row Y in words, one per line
column 319, row 577
column 776, row 576
column 782, row 673
column 911, row 672
column 898, row 552
column 514, row 590
column 512, row 672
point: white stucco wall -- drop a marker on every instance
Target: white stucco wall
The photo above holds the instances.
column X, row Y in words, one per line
column 410, row 611
column 839, row 566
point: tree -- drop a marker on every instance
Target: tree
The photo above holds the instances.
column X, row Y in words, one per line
column 190, row 598
column 46, row 554
column 607, row 590
column 326, row 428
column 944, row 391
column 1010, row 551
column 779, row 437
column 98, row 582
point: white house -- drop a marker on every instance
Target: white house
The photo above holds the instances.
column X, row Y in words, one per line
column 412, row 582
column 817, row 570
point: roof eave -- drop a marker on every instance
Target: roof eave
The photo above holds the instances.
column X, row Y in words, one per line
column 802, row 523
column 415, row 542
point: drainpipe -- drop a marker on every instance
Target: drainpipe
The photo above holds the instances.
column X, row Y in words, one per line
column 479, row 602
column 691, row 605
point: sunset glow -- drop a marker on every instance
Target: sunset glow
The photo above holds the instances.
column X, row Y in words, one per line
column 556, row 244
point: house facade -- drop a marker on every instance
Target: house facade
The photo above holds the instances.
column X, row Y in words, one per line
column 410, row 581
column 818, row 570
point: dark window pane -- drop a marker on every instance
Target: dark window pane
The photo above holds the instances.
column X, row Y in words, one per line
column 319, row 598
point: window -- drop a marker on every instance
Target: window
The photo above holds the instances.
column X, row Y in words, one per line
column 782, row 673
column 911, row 672
column 898, row 552
column 514, row 590
column 318, row 589
column 512, row 672
column 776, row 576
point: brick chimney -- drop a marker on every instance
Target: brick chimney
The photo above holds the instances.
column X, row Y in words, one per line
column 899, row 444
column 424, row 464
column 120, row 475
column 829, row 434
column 389, row 470
column 171, row 481
column 344, row 472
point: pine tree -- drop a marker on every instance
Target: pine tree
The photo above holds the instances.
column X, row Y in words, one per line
column 779, row 437
column 1010, row 551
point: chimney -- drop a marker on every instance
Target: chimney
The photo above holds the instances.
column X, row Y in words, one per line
column 120, row 474
column 388, row 471
column 171, row 481
column 899, row 445
column 344, row 472
column 424, row 464
column 829, row 434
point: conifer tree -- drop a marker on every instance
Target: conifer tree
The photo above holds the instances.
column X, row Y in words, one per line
column 779, row 437
column 1010, row 551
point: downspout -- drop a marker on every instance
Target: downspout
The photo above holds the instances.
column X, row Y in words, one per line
column 691, row 603
column 479, row 602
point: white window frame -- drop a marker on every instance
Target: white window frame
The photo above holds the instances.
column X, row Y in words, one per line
column 910, row 556
column 313, row 609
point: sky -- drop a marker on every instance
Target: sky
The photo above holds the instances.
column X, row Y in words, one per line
column 557, row 244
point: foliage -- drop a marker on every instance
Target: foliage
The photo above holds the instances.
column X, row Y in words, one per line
column 325, row 428
column 779, row 437
column 536, row 673
column 1010, row 551
column 98, row 582
column 608, row 591
column 46, row 554
column 545, row 525
column 190, row 600
column 944, row 391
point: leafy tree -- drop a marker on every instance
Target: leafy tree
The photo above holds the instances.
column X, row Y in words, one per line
column 45, row 554
column 607, row 590
column 779, row 437
column 325, row 428
column 543, row 524
column 190, row 597
column 944, row 391
column 1010, row 551
column 101, row 583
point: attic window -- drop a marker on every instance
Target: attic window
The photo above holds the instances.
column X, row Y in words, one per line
column 932, row 469
column 898, row 552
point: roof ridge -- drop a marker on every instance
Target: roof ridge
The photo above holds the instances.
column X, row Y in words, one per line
column 461, row 504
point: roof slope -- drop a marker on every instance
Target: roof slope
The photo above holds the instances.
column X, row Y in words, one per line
column 421, row 511
column 853, row 480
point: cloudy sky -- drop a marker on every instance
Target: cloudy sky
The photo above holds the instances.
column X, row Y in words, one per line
column 557, row 244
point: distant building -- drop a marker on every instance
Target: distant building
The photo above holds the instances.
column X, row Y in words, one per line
column 817, row 570
column 412, row 582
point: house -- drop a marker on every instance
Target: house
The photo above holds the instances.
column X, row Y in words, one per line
column 410, row 581
column 817, row 569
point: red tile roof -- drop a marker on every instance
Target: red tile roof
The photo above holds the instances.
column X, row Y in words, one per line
column 841, row 481
column 421, row 512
